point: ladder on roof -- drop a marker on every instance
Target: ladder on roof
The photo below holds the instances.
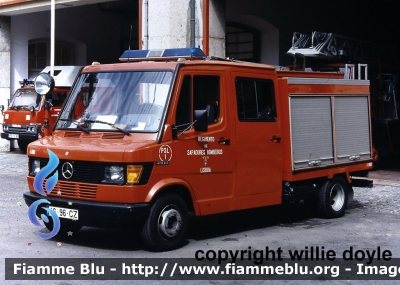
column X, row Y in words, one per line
column 329, row 45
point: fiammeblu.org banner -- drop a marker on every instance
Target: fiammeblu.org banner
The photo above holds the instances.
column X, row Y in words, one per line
column 192, row 269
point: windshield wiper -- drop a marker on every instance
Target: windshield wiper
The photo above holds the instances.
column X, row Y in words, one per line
column 77, row 124
column 110, row 124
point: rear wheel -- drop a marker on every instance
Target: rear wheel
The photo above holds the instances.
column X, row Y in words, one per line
column 333, row 196
column 167, row 223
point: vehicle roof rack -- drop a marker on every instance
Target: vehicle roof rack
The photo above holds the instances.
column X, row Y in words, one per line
column 333, row 46
column 162, row 54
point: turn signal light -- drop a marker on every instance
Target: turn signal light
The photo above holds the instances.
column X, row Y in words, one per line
column 133, row 173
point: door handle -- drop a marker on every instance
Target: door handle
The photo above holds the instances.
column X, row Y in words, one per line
column 224, row 141
column 276, row 139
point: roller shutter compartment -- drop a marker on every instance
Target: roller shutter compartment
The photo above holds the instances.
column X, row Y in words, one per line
column 311, row 130
column 352, row 129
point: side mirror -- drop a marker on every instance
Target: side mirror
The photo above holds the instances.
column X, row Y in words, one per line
column 44, row 83
column 201, row 120
column 200, row 124
column 2, row 108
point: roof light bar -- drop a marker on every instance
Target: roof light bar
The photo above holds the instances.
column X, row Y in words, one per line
column 26, row 82
column 161, row 54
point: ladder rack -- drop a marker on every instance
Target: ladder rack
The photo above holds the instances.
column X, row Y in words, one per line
column 332, row 46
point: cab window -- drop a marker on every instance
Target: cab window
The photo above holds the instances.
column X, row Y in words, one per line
column 56, row 98
column 255, row 99
column 199, row 92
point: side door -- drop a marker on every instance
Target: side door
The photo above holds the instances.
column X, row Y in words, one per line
column 204, row 159
column 258, row 178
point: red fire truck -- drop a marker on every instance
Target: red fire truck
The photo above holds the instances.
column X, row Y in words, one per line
column 29, row 117
column 165, row 133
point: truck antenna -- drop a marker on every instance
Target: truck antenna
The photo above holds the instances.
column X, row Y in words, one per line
column 130, row 38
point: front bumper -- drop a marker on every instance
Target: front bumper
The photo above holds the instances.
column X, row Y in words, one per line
column 24, row 136
column 95, row 214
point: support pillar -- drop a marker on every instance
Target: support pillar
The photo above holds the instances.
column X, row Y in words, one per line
column 170, row 24
column 217, row 28
column 5, row 56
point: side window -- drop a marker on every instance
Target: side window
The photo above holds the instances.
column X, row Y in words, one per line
column 206, row 96
column 183, row 113
column 255, row 99
column 57, row 99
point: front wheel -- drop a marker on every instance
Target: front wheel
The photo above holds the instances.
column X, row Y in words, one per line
column 167, row 223
column 333, row 197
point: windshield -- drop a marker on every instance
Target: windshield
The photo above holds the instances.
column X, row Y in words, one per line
column 23, row 99
column 124, row 101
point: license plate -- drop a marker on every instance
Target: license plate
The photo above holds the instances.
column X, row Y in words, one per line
column 65, row 213
column 13, row 136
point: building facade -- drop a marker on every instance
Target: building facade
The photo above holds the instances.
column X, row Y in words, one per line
column 100, row 30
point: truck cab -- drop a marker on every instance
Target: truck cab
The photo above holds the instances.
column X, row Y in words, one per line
column 145, row 142
column 28, row 116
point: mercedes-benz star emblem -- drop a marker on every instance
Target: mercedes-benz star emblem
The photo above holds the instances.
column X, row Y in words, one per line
column 67, row 170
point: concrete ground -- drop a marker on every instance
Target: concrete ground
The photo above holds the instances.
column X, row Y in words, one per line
column 371, row 221
column 386, row 176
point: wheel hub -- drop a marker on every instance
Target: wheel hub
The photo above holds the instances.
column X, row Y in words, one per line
column 337, row 197
column 170, row 222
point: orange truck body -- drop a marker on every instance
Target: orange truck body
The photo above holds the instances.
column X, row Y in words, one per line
column 317, row 129
column 26, row 125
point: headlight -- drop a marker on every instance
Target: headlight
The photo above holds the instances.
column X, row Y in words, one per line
column 35, row 167
column 114, row 174
column 5, row 127
column 133, row 173
column 31, row 129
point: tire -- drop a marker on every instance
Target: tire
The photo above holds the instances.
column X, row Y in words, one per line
column 23, row 145
column 333, row 196
column 167, row 223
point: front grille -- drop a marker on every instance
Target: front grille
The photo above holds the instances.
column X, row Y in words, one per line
column 88, row 172
column 16, row 130
column 91, row 172
column 69, row 189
